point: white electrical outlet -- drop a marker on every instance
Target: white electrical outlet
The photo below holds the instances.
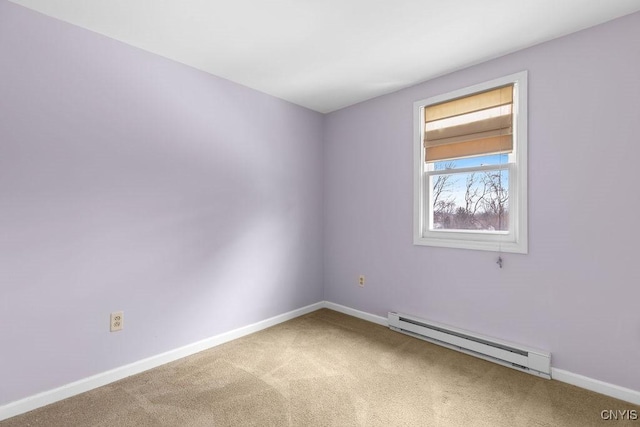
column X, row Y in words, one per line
column 361, row 281
column 117, row 321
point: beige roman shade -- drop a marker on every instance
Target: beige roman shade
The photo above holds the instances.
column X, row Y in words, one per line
column 475, row 131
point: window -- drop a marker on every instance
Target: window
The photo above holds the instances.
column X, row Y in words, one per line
column 470, row 179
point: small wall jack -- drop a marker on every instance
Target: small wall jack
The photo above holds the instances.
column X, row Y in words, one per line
column 117, row 321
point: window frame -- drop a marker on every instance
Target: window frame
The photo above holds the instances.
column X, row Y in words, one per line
column 516, row 240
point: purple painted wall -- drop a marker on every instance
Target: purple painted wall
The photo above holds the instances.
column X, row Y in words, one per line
column 131, row 182
column 577, row 292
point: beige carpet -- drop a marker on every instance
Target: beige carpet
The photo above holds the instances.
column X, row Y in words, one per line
column 329, row 369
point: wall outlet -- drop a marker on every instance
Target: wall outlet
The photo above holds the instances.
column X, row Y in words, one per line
column 117, row 321
column 361, row 281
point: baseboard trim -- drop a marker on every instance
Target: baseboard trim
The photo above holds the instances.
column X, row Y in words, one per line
column 357, row 313
column 51, row 396
column 611, row 390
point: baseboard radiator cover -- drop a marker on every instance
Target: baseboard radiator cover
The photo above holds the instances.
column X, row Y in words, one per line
column 526, row 359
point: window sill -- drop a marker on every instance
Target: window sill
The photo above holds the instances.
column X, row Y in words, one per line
column 465, row 243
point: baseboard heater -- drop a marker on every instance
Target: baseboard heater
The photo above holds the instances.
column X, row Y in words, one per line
column 515, row 356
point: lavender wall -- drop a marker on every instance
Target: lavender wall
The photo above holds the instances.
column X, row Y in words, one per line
column 131, row 182
column 577, row 291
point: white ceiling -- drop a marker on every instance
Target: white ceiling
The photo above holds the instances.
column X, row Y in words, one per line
column 328, row 54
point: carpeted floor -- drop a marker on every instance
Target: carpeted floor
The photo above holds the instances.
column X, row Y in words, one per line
column 329, row 369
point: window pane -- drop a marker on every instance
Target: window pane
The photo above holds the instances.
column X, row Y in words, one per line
column 470, row 162
column 470, row 201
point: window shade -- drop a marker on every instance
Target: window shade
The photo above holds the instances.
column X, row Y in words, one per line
column 474, row 125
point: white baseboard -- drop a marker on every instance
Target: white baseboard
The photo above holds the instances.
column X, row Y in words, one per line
column 47, row 397
column 611, row 390
column 357, row 313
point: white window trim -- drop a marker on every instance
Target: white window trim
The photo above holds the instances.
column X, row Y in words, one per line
column 517, row 240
